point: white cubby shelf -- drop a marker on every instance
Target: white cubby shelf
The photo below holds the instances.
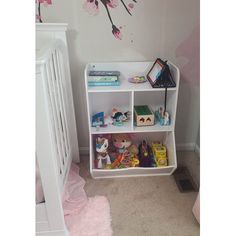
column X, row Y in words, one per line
column 124, row 98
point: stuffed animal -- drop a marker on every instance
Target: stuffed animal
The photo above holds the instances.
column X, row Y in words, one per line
column 102, row 153
column 123, row 142
column 127, row 151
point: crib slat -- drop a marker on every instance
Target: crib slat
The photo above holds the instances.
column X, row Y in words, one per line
column 62, row 104
column 63, row 93
column 62, row 83
column 53, row 123
column 54, row 116
column 57, row 114
column 58, row 109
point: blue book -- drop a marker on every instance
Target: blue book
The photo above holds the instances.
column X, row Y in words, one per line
column 111, row 83
column 103, row 78
column 104, row 73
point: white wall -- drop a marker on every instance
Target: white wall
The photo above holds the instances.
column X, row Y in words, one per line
column 159, row 28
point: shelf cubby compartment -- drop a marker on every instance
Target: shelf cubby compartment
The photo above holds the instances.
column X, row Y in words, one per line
column 166, row 137
column 154, row 100
column 104, row 102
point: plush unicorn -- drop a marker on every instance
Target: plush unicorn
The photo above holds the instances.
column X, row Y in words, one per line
column 102, row 154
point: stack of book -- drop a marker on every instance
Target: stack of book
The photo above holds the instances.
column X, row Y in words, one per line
column 103, row 78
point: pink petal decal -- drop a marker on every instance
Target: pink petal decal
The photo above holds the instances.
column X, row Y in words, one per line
column 113, row 3
column 116, row 32
column 49, row 2
column 91, row 7
column 131, row 5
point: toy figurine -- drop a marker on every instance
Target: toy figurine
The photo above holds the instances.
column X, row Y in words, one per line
column 101, row 149
column 145, row 154
column 119, row 117
column 163, row 117
column 166, row 118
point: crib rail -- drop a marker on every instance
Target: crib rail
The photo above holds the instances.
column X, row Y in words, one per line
column 50, row 62
column 56, row 135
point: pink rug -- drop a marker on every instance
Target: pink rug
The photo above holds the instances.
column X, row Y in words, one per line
column 85, row 216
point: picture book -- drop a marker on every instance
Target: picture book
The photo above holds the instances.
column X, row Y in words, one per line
column 104, row 73
column 102, row 78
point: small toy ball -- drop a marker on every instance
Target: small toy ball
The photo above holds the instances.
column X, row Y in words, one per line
column 145, row 154
column 137, row 79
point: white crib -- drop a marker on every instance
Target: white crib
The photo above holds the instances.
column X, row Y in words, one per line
column 56, row 136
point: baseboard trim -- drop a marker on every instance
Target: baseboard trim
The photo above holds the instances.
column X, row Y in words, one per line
column 179, row 147
column 84, row 150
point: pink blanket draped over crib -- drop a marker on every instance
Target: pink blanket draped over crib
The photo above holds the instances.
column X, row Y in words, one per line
column 84, row 216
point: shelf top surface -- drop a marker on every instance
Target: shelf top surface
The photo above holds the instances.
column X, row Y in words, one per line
column 126, row 86
column 128, row 70
column 128, row 129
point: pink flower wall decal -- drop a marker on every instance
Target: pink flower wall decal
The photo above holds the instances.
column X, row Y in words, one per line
column 92, row 7
column 116, row 32
column 49, row 2
column 113, row 3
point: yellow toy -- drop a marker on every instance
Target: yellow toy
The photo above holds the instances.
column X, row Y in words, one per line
column 159, row 153
column 134, row 155
column 134, row 161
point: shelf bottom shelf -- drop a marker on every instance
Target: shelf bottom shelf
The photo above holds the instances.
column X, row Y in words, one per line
column 132, row 172
column 167, row 138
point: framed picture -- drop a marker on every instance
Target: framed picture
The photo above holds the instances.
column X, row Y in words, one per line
column 155, row 71
column 159, row 75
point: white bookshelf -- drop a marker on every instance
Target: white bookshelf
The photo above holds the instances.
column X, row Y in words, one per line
column 125, row 97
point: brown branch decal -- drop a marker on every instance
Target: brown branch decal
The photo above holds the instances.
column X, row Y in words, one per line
column 38, row 4
column 92, row 7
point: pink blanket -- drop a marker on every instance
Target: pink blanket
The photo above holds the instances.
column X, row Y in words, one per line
column 85, row 216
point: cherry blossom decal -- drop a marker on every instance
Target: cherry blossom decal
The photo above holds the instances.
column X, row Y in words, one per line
column 38, row 10
column 92, row 7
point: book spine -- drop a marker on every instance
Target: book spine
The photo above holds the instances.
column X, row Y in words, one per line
column 114, row 83
column 104, row 73
column 102, row 78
